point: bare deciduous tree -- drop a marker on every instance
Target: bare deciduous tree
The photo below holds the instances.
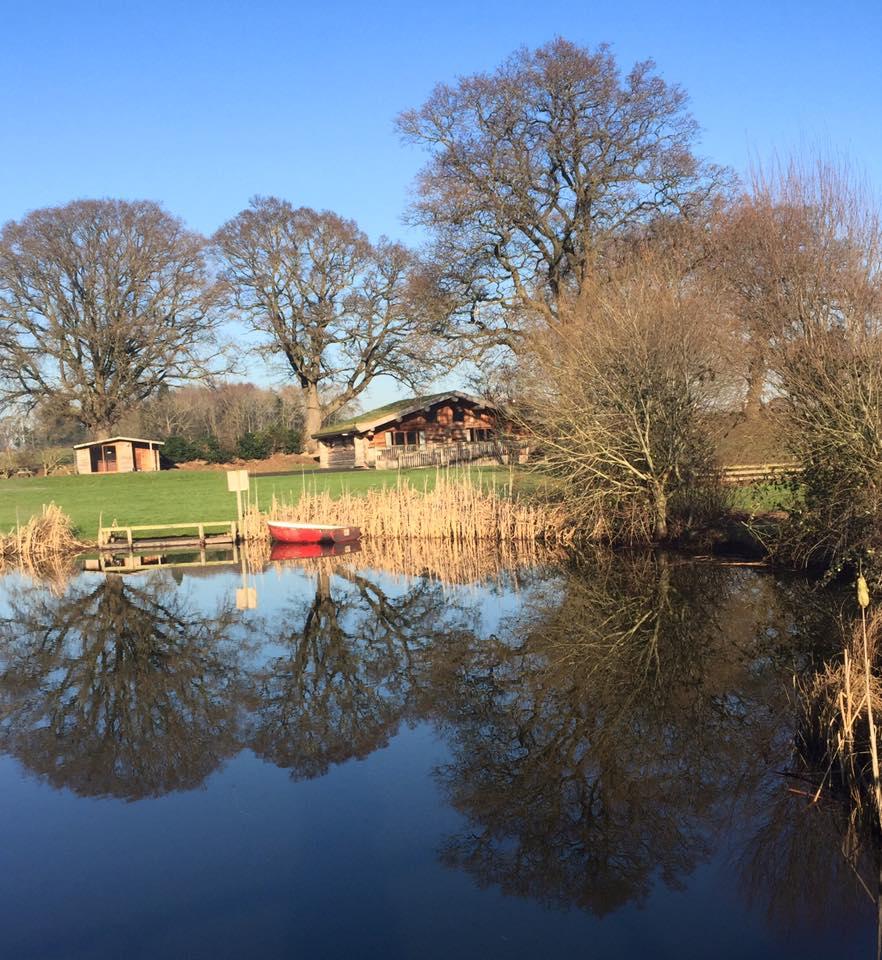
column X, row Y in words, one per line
column 340, row 310
column 619, row 398
column 779, row 257
column 101, row 303
column 828, row 361
column 534, row 168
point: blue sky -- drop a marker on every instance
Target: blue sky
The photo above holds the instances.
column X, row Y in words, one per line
column 201, row 105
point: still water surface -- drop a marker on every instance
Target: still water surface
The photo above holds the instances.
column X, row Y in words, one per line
column 536, row 762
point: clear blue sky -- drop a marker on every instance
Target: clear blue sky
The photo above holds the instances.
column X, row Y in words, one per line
column 202, row 104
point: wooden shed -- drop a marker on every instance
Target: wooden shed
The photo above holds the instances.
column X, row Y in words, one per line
column 117, row 455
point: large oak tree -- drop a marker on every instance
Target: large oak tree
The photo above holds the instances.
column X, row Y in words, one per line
column 536, row 167
column 340, row 310
column 102, row 302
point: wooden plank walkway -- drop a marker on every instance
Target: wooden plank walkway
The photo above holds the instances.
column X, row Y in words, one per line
column 111, row 538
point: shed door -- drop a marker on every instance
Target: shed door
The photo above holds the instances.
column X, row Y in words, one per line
column 144, row 458
column 108, row 459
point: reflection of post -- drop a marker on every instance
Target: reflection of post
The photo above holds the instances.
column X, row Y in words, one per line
column 323, row 585
column 246, row 597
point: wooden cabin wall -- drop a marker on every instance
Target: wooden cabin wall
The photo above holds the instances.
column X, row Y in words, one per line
column 337, row 452
column 84, row 460
column 443, row 429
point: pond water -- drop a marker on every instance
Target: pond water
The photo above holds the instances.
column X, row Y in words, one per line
column 370, row 759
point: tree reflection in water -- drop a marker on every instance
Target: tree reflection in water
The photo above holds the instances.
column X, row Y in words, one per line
column 118, row 688
column 604, row 738
column 349, row 672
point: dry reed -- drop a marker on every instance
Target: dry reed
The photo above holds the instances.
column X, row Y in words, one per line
column 442, row 561
column 43, row 542
column 452, row 510
column 840, row 707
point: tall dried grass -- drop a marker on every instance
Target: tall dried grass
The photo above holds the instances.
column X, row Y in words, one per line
column 442, row 561
column 840, row 707
column 42, row 543
column 457, row 511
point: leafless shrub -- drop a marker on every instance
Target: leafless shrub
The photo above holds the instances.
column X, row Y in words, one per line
column 828, row 361
column 618, row 400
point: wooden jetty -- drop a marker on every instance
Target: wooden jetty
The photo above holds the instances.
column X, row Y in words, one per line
column 198, row 535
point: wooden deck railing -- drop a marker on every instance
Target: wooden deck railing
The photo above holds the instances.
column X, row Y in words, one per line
column 443, row 455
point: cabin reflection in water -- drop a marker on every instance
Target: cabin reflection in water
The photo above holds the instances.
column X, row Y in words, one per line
column 603, row 729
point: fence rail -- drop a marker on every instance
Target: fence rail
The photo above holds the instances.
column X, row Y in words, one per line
column 753, row 472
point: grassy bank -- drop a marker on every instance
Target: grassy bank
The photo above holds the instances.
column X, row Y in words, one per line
column 761, row 498
column 179, row 496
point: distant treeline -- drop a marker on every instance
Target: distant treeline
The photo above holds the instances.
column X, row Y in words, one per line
column 221, row 423
column 216, row 424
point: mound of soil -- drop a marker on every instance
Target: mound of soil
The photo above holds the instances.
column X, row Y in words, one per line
column 277, row 463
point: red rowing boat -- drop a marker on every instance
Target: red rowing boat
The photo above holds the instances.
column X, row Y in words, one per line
column 289, row 531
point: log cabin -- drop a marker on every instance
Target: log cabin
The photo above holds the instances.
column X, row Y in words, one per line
column 117, row 455
column 438, row 429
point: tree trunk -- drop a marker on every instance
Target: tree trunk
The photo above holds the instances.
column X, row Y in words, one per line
column 660, row 530
column 101, row 431
column 756, row 381
column 312, row 417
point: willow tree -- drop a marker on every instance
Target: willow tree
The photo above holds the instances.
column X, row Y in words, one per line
column 337, row 308
column 102, row 303
column 536, row 168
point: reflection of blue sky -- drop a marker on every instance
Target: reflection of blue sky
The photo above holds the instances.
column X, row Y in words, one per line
column 281, row 586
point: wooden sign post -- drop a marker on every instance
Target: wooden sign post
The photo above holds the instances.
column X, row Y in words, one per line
column 237, row 481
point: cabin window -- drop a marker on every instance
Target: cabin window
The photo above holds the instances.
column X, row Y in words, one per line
column 459, row 416
column 406, row 438
column 478, row 435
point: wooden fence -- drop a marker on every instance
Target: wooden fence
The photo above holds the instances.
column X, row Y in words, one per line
column 755, row 472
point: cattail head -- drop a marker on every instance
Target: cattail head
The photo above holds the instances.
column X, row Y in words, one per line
column 863, row 593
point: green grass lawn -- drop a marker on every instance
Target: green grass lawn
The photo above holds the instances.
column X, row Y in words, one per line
column 762, row 497
column 183, row 496
column 187, row 496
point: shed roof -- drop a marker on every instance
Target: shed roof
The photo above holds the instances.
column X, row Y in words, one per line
column 394, row 411
column 93, row 443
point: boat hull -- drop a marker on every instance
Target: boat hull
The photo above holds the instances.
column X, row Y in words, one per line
column 287, row 532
